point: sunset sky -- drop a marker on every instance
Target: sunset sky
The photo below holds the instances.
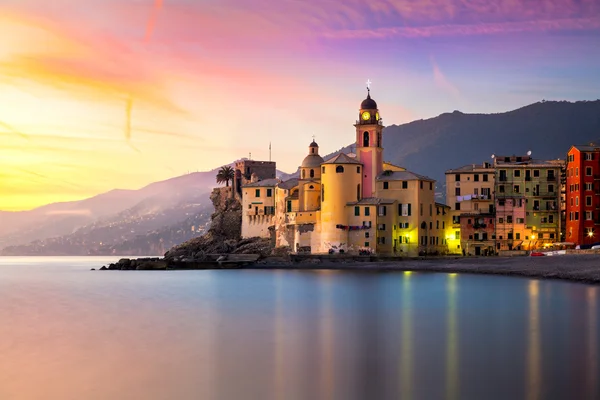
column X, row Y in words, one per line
column 96, row 95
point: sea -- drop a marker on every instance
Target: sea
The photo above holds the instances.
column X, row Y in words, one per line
column 67, row 332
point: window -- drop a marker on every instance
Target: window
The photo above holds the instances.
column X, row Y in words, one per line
column 386, row 185
column 339, row 169
column 588, row 215
column 550, row 188
column 485, row 177
column 303, row 174
column 257, row 193
column 457, row 206
column 517, row 173
column 469, row 221
column 516, row 189
column 520, row 220
column 476, row 178
column 431, row 210
column 421, row 209
column 366, row 244
column 588, row 156
column 421, row 184
column 269, row 192
column 456, row 219
column 381, row 240
column 457, row 177
column 501, row 203
column 365, row 139
column 536, row 173
column 358, row 192
column 367, row 235
column 588, row 200
column 501, row 188
column 576, row 215
column 576, row 171
column 588, row 171
column 367, row 211
column 589, row 186
column 430, row 185
column 312, row 173
column 476, row 206
column 323, row 170
column 457, row 235
column 381, row 227
column 509, row 219
column 577, row 201
column 356, row 211
column 404, row 184
column 518, row 236
column 382, row 211
column 457, row 191
column 551, row 219
column 322, row 192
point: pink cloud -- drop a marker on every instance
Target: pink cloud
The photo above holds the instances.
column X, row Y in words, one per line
column 442, row 82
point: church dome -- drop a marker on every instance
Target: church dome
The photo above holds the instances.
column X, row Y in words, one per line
column 313, row 144
column 312, row 161
column 368, row 103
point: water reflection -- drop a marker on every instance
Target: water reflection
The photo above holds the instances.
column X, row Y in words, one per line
column 593, row 337
column 406, row 350
column 452, row 367
column 294, row 335
column 534, row 371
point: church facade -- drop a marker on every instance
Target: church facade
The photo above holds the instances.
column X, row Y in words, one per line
column 350, row 202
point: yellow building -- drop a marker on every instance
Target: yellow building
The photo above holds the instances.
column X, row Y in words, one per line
column 470, row 196
column 351, row 202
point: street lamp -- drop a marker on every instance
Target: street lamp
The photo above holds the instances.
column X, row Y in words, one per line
column 590, row 233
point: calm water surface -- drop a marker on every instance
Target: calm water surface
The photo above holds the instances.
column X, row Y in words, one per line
column 70, row 333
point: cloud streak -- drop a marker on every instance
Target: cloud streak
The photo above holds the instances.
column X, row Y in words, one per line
column 591, row 23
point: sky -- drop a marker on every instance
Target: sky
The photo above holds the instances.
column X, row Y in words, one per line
column 97, row 95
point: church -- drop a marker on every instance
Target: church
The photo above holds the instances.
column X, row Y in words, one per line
column 352, row 202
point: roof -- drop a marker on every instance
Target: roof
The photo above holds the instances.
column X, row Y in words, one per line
column 313, row 144
column 312, row 161
column 371, row 201
column 368, row 103
column 289, row 184
column 590, row 147
column 402, row 176
column 264, row 183
column 342, row 159
column 470, row 168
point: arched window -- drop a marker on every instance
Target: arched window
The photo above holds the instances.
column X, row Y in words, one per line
column 312, row 173
column 366, row 139
column 358, row 170
column 311, row 187
column 312, row 150
column 339, row 169
column 303, row 174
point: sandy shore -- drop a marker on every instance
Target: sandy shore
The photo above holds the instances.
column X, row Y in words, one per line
column 578, row 268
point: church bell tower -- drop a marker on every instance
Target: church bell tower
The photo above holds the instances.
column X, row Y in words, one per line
column 369, row 150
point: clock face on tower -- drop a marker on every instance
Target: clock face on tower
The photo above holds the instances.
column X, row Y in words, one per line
column 377, row 116
column 366, row 115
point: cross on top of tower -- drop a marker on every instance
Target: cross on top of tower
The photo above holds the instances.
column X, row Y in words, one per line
column 369, row 86
column 313, row 138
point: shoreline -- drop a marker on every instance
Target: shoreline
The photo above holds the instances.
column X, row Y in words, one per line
column 574, row 268
column 581, row 268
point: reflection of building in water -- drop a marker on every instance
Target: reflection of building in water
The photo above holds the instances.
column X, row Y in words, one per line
column 534, row 362
column 452, row 367
column 326, row 337
column 406, row 355
column 592, row 368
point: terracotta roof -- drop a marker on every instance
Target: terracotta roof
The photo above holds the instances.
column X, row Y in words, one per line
column 342, row 159
column 264, row 183
column 289, row 184
column 402, row 176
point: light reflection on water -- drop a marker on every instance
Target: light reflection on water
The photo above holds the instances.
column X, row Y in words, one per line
column 70, row 333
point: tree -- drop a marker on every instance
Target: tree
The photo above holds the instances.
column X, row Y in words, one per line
column 225, row 174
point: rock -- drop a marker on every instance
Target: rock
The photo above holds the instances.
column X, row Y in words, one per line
column 103, row 268
column 93, row 269
column 222, row 258
column 152, row 265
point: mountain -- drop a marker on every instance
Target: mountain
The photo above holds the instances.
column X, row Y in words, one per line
column 432, row 146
